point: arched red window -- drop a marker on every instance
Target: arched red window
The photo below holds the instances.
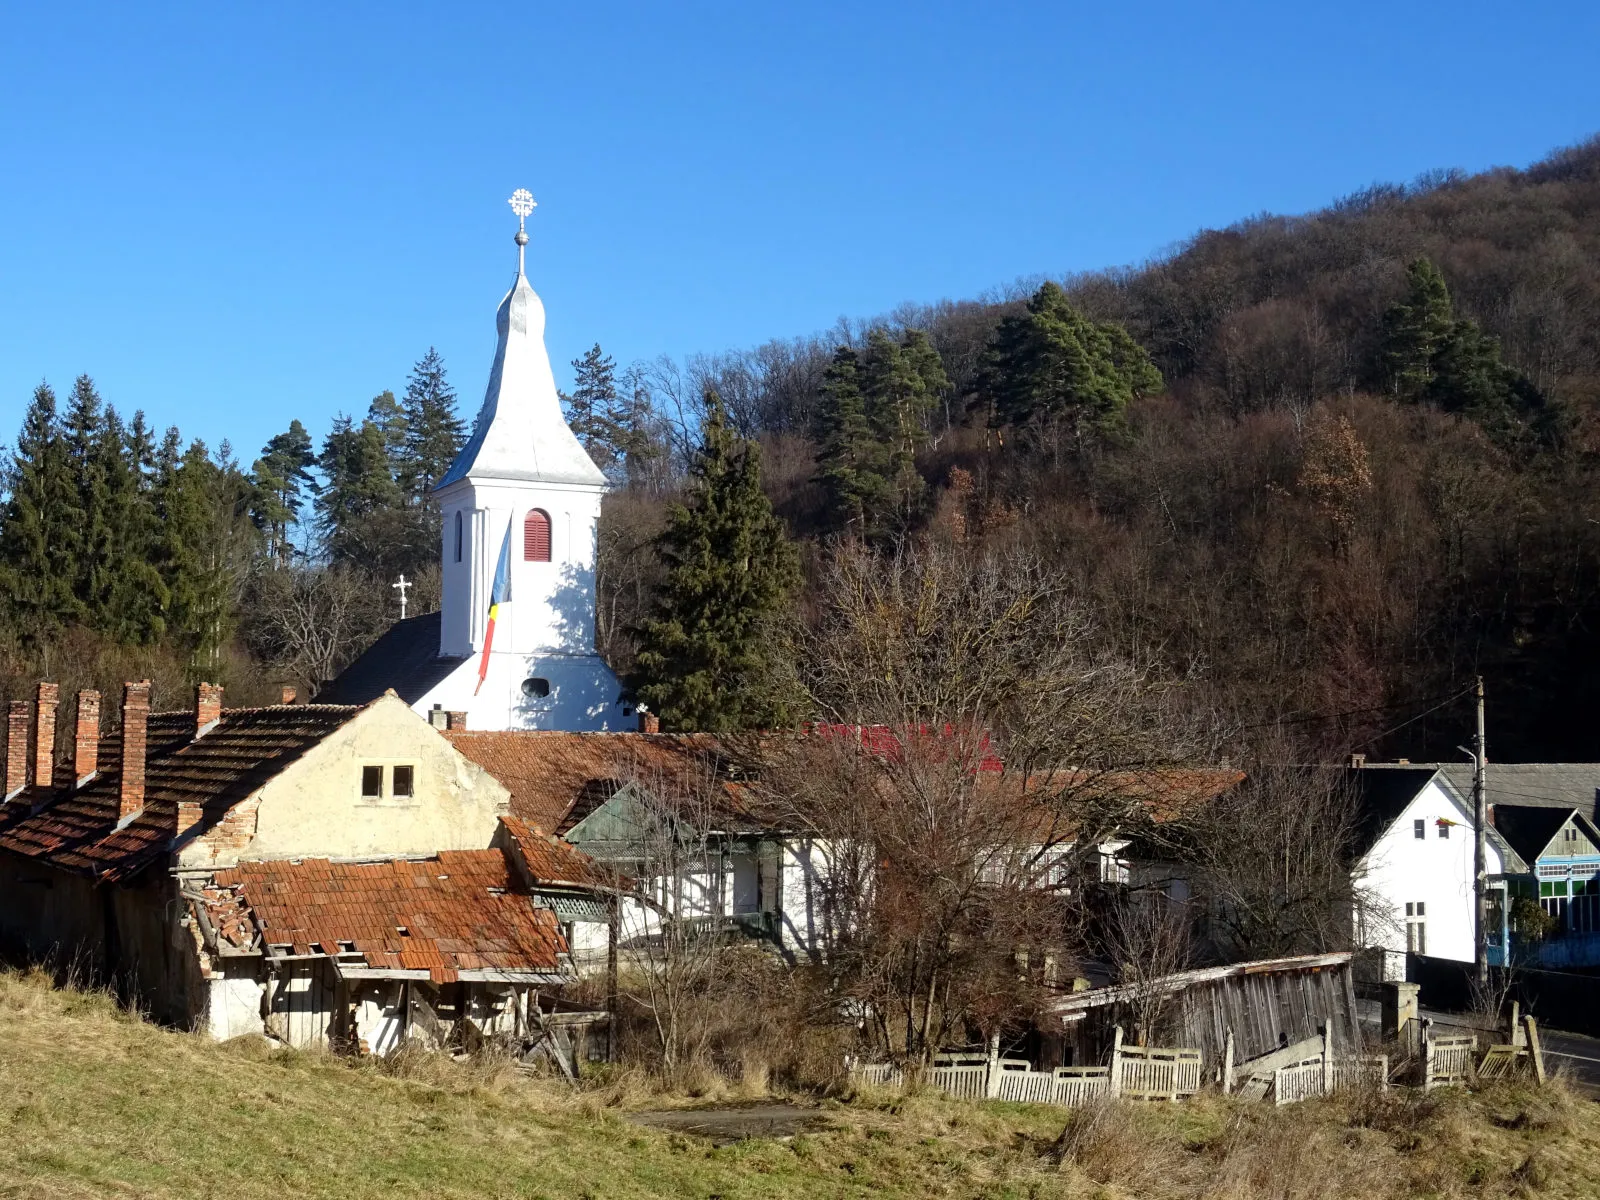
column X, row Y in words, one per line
column 536, row 537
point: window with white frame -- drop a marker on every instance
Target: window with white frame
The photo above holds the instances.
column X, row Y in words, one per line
column 1416, row 927
column 1419, row 828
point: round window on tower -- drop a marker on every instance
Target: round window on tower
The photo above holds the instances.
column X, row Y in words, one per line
column 536, row 688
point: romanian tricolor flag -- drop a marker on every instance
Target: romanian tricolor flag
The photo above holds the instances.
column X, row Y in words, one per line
column 500, row 594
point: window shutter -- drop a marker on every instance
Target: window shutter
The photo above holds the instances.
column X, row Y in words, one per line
column 536, row 537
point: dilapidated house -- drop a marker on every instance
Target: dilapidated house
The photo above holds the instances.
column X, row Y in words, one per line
column 324, row 874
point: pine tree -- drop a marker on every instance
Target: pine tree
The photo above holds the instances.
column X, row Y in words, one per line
column 902, row 382
column 1415, row 331
column 433, row 432
column 385, row 413
column 359, row 493
column 37, row 564
column 282, row 477
column 594, row 406
column 852, row 463
column 1052, row 373
column 712, row 657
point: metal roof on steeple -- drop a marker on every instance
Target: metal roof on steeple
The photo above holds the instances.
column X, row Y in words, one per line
column 520, row 434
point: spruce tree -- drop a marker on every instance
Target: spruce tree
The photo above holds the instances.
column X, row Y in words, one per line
column 713, row 656
column 433, row 432
column 1434, row 357
column 1415, row 331
column 130, row 596
column 206, row 545
column 37, row 565
column 1052, row 373
column 89, row 538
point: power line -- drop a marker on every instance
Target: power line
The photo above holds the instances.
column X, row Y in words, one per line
column 1310, row 718
column 1412, row 720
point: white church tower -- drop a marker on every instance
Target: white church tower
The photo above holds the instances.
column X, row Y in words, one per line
column 524, row 487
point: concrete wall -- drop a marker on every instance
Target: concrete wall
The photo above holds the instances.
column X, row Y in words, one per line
column 315, row 807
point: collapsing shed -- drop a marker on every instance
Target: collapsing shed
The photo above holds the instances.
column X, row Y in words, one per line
column 1265, row 1005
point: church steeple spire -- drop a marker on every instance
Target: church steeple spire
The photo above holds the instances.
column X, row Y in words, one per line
column 520, row 434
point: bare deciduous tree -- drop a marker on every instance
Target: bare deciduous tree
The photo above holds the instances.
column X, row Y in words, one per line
column 311, row 621
column 1274, row 861
column 981, row 737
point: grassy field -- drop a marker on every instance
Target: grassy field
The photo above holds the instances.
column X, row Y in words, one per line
column 95, row 1102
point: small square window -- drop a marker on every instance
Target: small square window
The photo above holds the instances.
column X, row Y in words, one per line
column 372, row 782
column 403, row 781
column 1419, row 828
column 1444, row 829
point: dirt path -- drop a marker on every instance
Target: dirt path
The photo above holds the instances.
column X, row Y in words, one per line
column 733, row 1123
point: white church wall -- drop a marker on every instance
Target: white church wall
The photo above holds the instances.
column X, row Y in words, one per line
column 584, row 695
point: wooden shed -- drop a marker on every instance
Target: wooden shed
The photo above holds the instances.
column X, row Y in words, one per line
column 1265, row 1004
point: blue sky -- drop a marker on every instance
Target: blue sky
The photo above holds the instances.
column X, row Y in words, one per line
column 231, row 215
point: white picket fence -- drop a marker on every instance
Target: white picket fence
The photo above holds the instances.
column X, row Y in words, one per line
column 1137, row 1072
column 1312, row 1077
column 1449, row 1060
column 1156, row 1073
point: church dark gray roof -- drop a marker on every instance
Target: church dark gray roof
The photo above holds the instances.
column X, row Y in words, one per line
column 406, row 658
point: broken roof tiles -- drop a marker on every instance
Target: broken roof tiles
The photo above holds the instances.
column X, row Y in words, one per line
column 460, row 910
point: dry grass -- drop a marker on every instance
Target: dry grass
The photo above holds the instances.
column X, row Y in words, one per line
column 96, row 1102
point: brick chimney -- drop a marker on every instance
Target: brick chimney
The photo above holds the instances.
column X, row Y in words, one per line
column 649, row 722
column 18, row 723
column 286, row 695
column 86, row 744
column 207, row 707
column 47, row 698
column 455, row 720
column 135, row 720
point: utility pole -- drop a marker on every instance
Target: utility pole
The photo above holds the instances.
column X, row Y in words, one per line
column 1480, row 833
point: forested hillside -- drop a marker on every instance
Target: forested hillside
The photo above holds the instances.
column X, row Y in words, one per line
column 1319, row 470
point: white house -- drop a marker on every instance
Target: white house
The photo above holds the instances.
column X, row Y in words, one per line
column 525, row 489
column 1414, row 871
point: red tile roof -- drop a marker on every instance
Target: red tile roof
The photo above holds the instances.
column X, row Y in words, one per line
column 76, row 829
column 556, row 779
column 457, row 911
column 551, row 862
